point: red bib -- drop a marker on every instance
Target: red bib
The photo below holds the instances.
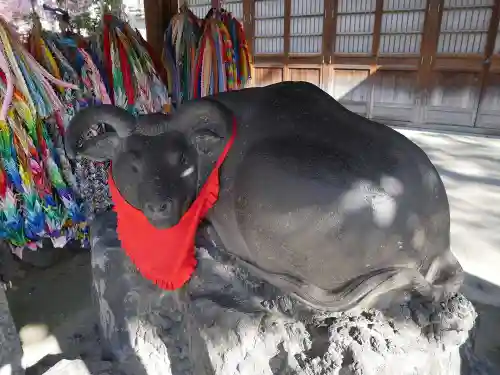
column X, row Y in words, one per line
column 166, row 256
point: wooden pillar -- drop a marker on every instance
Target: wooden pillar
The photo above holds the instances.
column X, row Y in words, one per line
column 329, row 30
column 158, row 14
column 377, row 27
column 432, row 25
column 287, row 20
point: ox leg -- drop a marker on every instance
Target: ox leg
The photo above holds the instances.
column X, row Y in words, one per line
column 10, row 345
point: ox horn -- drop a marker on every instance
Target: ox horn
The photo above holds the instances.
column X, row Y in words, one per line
column 122, row 122
column 153, row 124
column 192, row 114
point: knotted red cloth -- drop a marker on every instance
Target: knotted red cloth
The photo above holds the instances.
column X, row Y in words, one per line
column 166, row 256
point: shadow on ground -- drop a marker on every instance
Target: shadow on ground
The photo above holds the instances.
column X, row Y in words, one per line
column 486, row 343
column 53, row 312
column 468, row 165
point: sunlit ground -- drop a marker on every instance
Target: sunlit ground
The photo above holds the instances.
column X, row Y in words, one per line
column 470, row 169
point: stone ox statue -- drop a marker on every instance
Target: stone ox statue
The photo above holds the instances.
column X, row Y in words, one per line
column 331, row 208
column 322, row 215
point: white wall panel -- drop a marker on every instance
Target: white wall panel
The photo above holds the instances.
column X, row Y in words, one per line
column 404, row 4
column 353, row 43
column 269, row 8
column 199, row 10
column 201, row 7
column 269, row 27
column 269, row 45
column 400, row 44
column 403, row 22
column 306, row 27
column 464, row 26
column 467, row 3
column 306, row 44
column 462, row 43
column 235, row 7
column 191, row 3
column 466, row 19
column 402, row 26
column 356, row 6
column 307, row 7
column 355, row 23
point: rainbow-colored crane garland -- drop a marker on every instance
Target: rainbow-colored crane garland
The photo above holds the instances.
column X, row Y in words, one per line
column 205, row 57
column 35, row 200
column 42, row 194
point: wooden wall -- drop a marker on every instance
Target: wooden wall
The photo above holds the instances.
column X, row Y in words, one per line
column 426, row 63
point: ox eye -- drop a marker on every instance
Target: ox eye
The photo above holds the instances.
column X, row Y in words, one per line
column 134, row 166
column 174, row 158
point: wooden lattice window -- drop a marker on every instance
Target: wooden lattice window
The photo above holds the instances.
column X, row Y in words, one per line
column 355, row 23
column 201, row 7
column 235, row 7
column 402, row 26
column 269, row 28
column 464, row 26
column 306, row 26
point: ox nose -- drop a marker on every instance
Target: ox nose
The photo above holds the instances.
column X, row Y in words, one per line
column 158, row 210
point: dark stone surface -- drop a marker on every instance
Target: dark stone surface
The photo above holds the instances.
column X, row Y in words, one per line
column 228, row 322
column 10, row 345
column 328, row 206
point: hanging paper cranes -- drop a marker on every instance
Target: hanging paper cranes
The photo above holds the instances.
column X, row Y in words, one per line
column 179, row 54
column 42, row 86
column 45, row 82
column 205, row 57
column 35, row 200
column 132, row 79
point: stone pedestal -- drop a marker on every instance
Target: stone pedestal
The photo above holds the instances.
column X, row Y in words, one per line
column 227, row 322
column 10, row 346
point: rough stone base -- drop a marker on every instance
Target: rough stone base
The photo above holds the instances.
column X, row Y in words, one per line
column 226, row 322
column 10, row 346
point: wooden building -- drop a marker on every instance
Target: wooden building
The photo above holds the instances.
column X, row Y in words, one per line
column 423, row 63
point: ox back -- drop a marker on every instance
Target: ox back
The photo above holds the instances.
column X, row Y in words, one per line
column 319, row 200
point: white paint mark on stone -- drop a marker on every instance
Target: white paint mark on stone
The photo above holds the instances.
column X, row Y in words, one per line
column 419, row 239
column 355, row 199
column 392, row 186
column 6, row 370
column 187, row 172
column 384, row 210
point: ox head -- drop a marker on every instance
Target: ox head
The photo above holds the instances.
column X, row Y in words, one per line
column 159, row 161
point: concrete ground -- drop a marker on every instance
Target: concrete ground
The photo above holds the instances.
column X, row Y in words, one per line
column 53, row 309
column 470, row 168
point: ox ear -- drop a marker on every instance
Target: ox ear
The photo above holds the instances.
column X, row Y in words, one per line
column 101, row 147
column 205, row 123
column 206, row 140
